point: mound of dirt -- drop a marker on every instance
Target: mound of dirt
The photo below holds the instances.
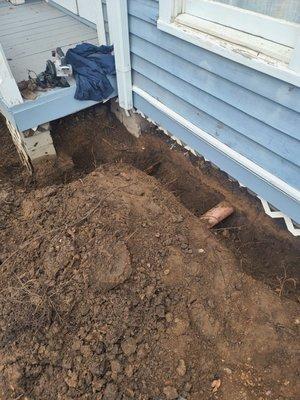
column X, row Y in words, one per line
column 117, row 291
column 264, row 250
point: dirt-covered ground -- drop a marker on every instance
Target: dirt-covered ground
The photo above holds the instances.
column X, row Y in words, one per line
column 111, row 287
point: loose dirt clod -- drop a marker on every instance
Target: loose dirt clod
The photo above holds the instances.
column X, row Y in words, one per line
column 170, row 392
column 181, row 369
column 128, row 347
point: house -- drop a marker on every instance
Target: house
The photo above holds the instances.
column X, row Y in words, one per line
column 222, row 76
column 225, row 81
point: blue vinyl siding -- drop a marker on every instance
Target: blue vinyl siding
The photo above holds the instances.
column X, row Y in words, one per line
column 253, row 113
column 285, row 203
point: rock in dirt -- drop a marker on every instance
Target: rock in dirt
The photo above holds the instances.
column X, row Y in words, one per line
column 181, row 369
column 170, row 392
column 116, row 368
column 129, row 347
column 4, row 195
column 110, row 392
column 129, row 370
column 169, row 317
column 72, row 379
column 108, row 264
column 216, row 383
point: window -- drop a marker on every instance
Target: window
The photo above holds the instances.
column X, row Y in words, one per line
column 262, row 34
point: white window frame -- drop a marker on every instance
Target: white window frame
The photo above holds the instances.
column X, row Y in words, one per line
column 256, row 48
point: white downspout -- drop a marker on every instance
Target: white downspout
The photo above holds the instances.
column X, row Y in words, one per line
column 119, row 37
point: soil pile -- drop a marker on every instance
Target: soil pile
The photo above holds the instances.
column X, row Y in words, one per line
column 117, row 291
column 264, row 251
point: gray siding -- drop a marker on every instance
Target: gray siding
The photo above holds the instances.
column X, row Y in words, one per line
column 253, row 113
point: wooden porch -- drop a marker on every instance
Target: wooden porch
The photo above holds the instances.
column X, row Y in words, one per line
column 28, row 34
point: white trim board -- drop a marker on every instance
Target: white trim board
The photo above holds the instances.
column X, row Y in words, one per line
column 234, row 52
column 276, row 30
column 260, row 53
column 259, row 45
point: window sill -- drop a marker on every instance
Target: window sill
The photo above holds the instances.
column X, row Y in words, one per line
column 241, row 54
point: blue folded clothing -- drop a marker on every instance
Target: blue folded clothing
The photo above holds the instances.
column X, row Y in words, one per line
column 91, row 65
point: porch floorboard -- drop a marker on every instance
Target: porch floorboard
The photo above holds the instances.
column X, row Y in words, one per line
column 30, row 31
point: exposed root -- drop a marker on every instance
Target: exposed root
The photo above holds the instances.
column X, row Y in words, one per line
column 283, row 281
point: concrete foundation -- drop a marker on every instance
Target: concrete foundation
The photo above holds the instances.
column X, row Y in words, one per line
column 38, row 143
column 134, row 123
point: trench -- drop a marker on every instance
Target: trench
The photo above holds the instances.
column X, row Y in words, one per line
column 263, row 249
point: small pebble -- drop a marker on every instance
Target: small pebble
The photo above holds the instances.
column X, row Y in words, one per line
column 228, row 371
column 110, row 392
column 129, row 370
column 210, row 303
column 170, row 392
column 129, row 347
column 187, row 387
column 181, row 369
column 129, row 392
column 169, row 317
column 115, row 366
column 72, row 379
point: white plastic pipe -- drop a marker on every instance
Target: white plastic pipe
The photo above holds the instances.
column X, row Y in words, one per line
column 119, row 36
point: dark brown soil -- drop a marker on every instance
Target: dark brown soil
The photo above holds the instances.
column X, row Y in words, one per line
column 264, row 249
column 10, row 167
column 111, row 288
